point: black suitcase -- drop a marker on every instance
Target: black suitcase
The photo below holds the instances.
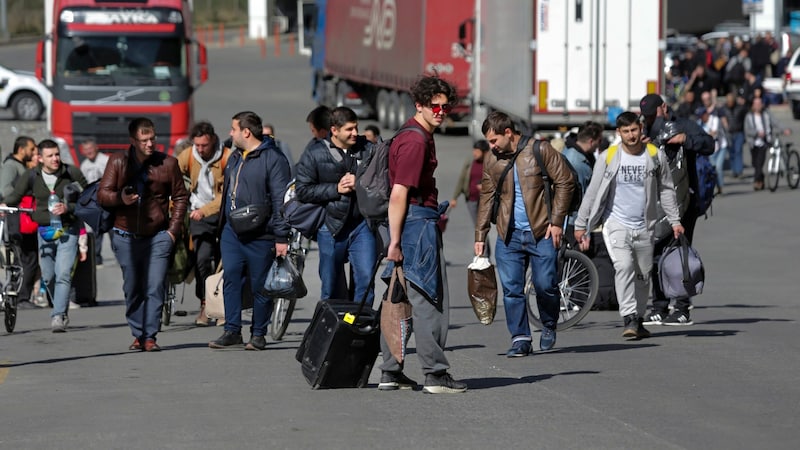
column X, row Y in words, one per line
column 338, row 354
column 606, row 294
column 84, row 278
column 341, row 343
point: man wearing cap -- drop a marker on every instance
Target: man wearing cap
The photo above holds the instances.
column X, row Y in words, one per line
column 691, row 137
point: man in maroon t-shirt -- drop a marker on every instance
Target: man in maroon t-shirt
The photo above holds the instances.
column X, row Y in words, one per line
column 415, row 240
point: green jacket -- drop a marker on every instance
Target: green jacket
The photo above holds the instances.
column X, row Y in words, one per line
column 23, row 186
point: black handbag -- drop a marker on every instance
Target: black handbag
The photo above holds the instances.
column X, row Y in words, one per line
column 249, row 219
column 205, row 226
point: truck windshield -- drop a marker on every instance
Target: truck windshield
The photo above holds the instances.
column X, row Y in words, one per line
column 118, row 60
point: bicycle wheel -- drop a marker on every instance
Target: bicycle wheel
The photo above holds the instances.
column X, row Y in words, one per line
column 282, row 310
column 578, row 286
column 169, row 300
column 793, row 169
column 773, row 170
column 10, row 309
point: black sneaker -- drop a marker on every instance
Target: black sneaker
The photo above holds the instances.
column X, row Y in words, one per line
column 392, row 381
column 228, row 339
column 678, row 319
column 548, row 339
column 641, row 331
column 256, row 343
column 442, row 384
column 655, row 317
column 631, row 326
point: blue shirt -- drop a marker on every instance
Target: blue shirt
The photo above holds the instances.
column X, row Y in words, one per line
column 520, row 214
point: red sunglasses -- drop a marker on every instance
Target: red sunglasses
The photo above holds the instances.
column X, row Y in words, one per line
column 441, row 109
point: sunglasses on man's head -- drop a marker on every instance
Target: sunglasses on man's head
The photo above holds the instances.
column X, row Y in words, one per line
column 444, row 108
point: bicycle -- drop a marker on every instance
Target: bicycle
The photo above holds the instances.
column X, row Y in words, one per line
column 9, row 262
column 578, row 285
column 782, row 159
column 282, row 308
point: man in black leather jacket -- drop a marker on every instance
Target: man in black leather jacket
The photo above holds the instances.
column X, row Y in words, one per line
column 694, row 141
column 326, row 175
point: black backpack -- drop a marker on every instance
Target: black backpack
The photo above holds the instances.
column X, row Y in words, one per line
column 577, row 191
column 89, row 210
column 372, row 179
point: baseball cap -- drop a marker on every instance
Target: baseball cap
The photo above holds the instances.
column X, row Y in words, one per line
column 650, row 103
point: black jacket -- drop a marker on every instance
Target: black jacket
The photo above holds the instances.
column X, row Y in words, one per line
column 698, row 142
column 25, row 185
column 318, row 172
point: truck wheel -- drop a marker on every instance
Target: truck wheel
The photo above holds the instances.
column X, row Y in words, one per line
column 382, row 102
column 27, row 106
column 394, row 120
column 796, row 109
column 406, row 108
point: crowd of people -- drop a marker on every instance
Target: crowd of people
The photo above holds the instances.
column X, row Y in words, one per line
column 224, row 198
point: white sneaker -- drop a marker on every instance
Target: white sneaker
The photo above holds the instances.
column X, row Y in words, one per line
column 40, row 301
column 73, row 305
column 58, row 324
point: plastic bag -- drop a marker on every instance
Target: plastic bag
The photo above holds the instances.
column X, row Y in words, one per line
column 396, row 322
column 482, row 289
column 284, row 280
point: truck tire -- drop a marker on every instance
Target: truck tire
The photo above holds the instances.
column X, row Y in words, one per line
column 382, row 104
column 394, row 120
column 27, row 106
column 406, row 108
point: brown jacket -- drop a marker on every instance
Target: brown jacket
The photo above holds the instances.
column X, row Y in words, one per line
column 530, row 177
column 151, row 214
column 217, row 169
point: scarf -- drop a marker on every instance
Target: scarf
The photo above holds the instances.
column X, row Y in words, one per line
column 204, row 189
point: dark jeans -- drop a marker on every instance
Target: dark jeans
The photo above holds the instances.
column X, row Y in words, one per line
column 144, row 262
column 206, row 254
column 358, row 247
column 758, row 155
column 660, row 301
column 256, row 256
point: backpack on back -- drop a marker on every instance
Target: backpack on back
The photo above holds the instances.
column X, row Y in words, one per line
column 706, row 183
column 577, row 191
column 89, row 210
column 372, row 179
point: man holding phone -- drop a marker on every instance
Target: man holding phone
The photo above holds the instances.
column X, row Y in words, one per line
column 138, row 185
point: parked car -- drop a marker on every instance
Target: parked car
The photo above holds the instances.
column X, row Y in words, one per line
column 21, row 92
column 792, row 83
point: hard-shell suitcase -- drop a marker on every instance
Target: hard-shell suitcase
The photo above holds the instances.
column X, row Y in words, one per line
column 84, row 277
column 338, row 354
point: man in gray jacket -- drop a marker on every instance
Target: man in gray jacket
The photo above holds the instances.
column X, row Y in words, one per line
column 623, row 194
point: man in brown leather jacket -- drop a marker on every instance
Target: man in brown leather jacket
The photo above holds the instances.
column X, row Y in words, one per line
column 138, row 185
column 527, row 233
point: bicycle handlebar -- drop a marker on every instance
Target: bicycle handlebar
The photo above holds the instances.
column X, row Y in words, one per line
column 14, row 209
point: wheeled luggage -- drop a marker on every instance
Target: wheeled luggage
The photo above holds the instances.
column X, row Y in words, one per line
column 341, row 343
column 338, row 354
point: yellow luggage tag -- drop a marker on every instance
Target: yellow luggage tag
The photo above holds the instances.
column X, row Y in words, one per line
column 349, row 318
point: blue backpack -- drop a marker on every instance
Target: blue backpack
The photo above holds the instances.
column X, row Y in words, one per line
column 706, row 184
column 89, row 210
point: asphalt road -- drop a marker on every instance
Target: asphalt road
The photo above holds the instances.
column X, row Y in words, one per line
column 729, row 381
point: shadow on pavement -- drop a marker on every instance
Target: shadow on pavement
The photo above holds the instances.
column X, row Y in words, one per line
column 496, row 382
column 697, row 333
column 733, row 305
column 67, row 359
column 601, row 348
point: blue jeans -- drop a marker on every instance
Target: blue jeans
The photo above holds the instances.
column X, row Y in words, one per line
column 56, row 259
column 718, row 160
column 737, row 165
column 144, row 262
column 256, row 256
column 512, row 263
column 356, row 246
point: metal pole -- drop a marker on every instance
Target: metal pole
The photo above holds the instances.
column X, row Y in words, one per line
column 4, row 20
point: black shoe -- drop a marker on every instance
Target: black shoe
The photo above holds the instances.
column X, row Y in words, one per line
column 655, row 317
column 228, row 339
column 631, row 326
column 678, row 318
column 443, row 384
column 548, row 339
column 392, row 381
column 641, row 331
column 256, row 343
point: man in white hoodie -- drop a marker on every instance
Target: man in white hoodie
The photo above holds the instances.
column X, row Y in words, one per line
column 204, row 165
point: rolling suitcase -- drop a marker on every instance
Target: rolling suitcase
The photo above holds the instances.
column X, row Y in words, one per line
column 341, row 344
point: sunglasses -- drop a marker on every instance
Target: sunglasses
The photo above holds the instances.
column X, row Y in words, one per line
column 444, row 108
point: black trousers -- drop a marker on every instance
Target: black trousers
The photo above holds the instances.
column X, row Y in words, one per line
column 759, row 156
column 29, row 260
column 206, row 251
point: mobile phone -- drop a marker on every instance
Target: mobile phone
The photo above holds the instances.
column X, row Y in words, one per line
column 129, row 190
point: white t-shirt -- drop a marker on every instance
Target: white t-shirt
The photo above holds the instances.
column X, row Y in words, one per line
column 93, row 170
column 628, row 197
